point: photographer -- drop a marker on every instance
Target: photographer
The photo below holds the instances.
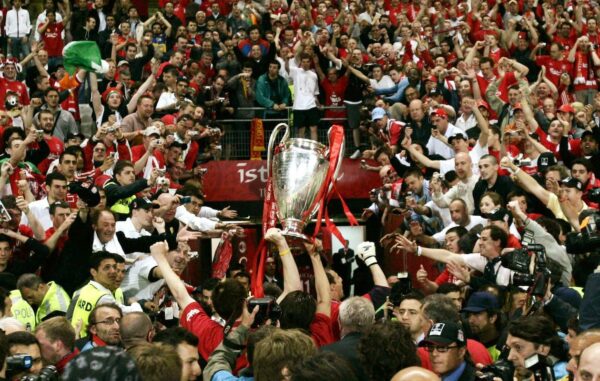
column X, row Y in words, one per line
column 535, row 335
column 541, row 236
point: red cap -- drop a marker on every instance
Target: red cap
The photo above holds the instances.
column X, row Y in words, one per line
column 567, row 108
column 109, row 91
column 518, row 106
column 168, row 119
column 482, row 103
column 440, row 112
column 432, row 78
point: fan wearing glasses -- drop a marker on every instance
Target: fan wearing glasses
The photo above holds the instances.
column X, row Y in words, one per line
column 446, row 345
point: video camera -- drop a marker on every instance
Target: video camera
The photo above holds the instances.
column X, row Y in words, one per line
column 588, row 240
column 538, row 366
column 267, row 309
column 519, row 261
column 47, row 373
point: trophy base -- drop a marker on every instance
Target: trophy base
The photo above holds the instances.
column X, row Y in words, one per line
column 295, row 240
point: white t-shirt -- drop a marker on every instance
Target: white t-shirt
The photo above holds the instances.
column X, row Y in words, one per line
column 137, row 276
column 476, row 153
column 477, row 262
column 437, row 147
column 41, row 210
column 306, row 87
column 466, row 123
column 473, row 221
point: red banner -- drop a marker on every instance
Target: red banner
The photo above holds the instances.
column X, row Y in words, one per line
column 245, row 180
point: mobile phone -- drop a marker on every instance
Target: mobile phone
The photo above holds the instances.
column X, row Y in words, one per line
column 185, row 200
column 111, row 155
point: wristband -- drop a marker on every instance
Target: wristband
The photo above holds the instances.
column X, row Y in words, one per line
column 419, row 251
column 284, row 252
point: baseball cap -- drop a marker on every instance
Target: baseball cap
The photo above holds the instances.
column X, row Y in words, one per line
column 152, row 130
column 88, row 194
column 439, row 112
column 377, row 113
column 566, row 108
column 545, row 160
column 457, row 135
column 434, row 92
column 432, row 78
column 587, row 133
column 123, row 63
column 482, row 103
column 500, row 214
column 143, row 203
column 518, row 106
column 416, row 217
column 481, row 301
column 168, row 119
column 445, row 332
column 571, row 182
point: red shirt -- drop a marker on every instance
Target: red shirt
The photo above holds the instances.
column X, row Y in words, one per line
column 321, row 330
column 62, row 240
column 334, row 96
column 208, row 331
column 53, row 41
column 56, row 148
column 16, row 87
column 554, row 68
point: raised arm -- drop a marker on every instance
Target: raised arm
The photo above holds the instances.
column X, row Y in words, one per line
column 526, row 181
column 159, row 251
column 321, row 282
column 366, row 252
column 418, row 156
column 439, row 255
column 291, row 276
column 96, row 97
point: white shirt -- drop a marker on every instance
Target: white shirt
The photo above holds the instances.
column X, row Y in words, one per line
column 473, row 221
column 41, row 211
column 112, row 246
column 194, row 222
column 137, row 279
column 130, row 231
column 478, row 262
column 462, row 190
column 384, row 83
column 476, row 153
column 437, row 147
column 466, row 123
column 17, row 26
column 306, row 87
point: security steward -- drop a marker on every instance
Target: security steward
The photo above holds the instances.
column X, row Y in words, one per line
column 103, row 268
column 121, row 189
column 49, row 298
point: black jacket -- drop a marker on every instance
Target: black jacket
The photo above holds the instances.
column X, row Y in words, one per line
column 347, row 348
column 72, row 270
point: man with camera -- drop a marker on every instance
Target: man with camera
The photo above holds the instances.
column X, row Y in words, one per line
column 534, row 345
column 446, row 345
column 491, row 243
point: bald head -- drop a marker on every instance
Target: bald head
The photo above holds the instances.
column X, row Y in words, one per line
column 589, row 368
column 415, row 373
column 135, row 329
column 415, row 108
column 463, row 165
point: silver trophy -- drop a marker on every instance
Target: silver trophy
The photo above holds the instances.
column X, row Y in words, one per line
column 298, row 171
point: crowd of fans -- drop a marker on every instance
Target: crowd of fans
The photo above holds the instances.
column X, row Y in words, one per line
column 482, row 120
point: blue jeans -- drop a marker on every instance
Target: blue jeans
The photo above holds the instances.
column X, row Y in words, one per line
column 19, row 49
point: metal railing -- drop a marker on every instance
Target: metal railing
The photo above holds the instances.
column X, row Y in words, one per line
column 236, row 142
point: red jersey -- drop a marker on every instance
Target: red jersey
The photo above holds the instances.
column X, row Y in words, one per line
column 574, row 144
column 554, row 68
column 53, row 41
column 17, row 87
column 56, row 148
column 334, row 96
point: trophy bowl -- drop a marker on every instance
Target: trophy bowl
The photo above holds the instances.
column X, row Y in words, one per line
column 298, row 171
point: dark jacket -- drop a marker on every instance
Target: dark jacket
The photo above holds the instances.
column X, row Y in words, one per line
column 347, row 348
column 72, row 270
column 136, row 65
column 589, row 312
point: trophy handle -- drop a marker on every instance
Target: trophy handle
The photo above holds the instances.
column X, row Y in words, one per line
column 272, row 143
